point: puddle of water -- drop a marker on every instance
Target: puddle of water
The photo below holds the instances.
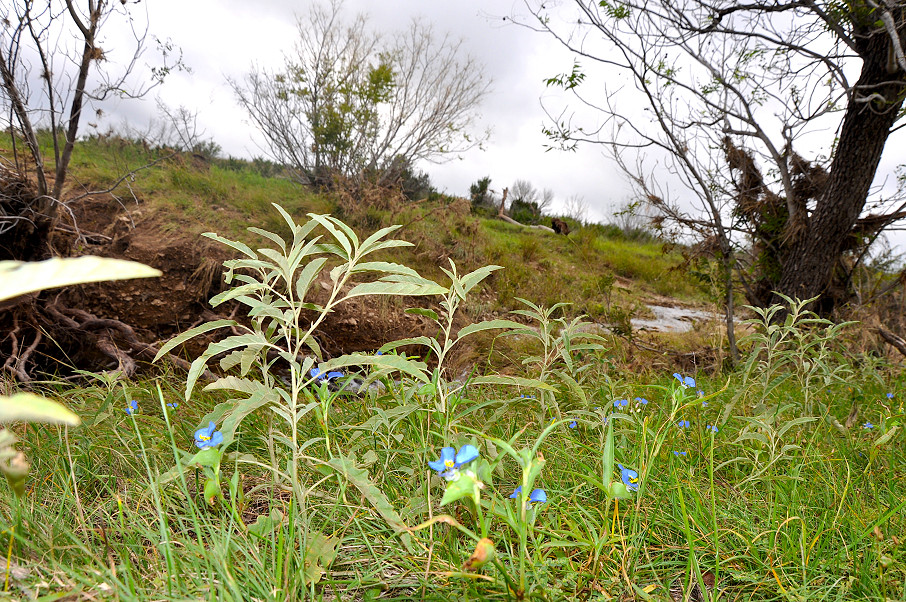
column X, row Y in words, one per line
column 671, row 319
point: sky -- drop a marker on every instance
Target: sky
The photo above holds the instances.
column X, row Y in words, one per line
column 224, row 38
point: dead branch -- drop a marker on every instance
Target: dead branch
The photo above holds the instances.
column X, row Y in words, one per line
column 896, row 341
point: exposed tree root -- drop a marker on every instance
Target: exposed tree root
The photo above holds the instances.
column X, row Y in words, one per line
column 114, row 339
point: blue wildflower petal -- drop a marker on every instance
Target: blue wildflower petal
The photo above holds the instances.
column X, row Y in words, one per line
column 446, row 460
column 538, row 495
column 573, row 424
column 336, row 374
column 516, row 493
column 315, row 373
column 689, row 382
column 680, row 453
column 890, row 396
column 868, row 426
column 678, row 377
column 711, row 428
column 630, row 478
column 208, row 436
column 466, row 454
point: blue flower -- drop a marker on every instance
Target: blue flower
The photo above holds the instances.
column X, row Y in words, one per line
column 685, row 381
column 701, row 393
column 630, row 478
column 208, row 436
column 537, row 496
column 868, row 426
column 711, row 428
column 524, row 396
column 132, row 408
column 621, row 403
column 640, row 403
column 450, row 461
column 320, row 376
column 680, row 453
column 683, row 424
column 573, row 424
column 890, row 396
column 173, row 405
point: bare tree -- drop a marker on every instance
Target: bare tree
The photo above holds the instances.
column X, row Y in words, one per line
column 180, row 130
column 733, row 93
column 351, row 101
column 577, row 208
column 53, row 69
column 524, row 192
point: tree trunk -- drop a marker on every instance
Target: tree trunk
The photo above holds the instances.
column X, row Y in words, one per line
column 812, row 254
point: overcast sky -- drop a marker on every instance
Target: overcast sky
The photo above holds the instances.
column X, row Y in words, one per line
column 223, row 38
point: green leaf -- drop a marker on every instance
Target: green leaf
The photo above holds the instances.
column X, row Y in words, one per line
column 417, row 370
column 270, row 236
column 307, row 276
column 320, row 552
column 886, row 437
column 209, row 456
column 211, row 490
column 383, row 287
column 234, row 411
column 265, row 524
column 469, row 281
column 486, row 325
column 386, row 267
column 462, row 487
column 359, row 478
column 28, row 407
column 422, row 311
column 192, row 332
column 512, row 381
column 371, row 240
column 608, row 453
column 618, row 490
column 18, row 277
column 234, row 244
column 327, row 223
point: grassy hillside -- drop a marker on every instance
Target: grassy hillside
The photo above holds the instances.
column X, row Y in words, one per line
column 599, row 270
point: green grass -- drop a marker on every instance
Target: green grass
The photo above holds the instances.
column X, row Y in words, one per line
column 781, row 503
column 98, row 520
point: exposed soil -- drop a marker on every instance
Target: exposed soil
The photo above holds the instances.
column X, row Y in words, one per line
column 155, row 309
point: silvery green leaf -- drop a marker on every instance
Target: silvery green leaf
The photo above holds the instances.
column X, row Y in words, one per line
column 341, row 238
column 396, row 288
column 486, row 325
column 384, row 266
column 513, row 381
column 371, row 240
column 28, row 407
column 234, row 244
column 307, row 276
column 417, row 370
column 18, row 277
column 270, row 236
column 473, row 278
